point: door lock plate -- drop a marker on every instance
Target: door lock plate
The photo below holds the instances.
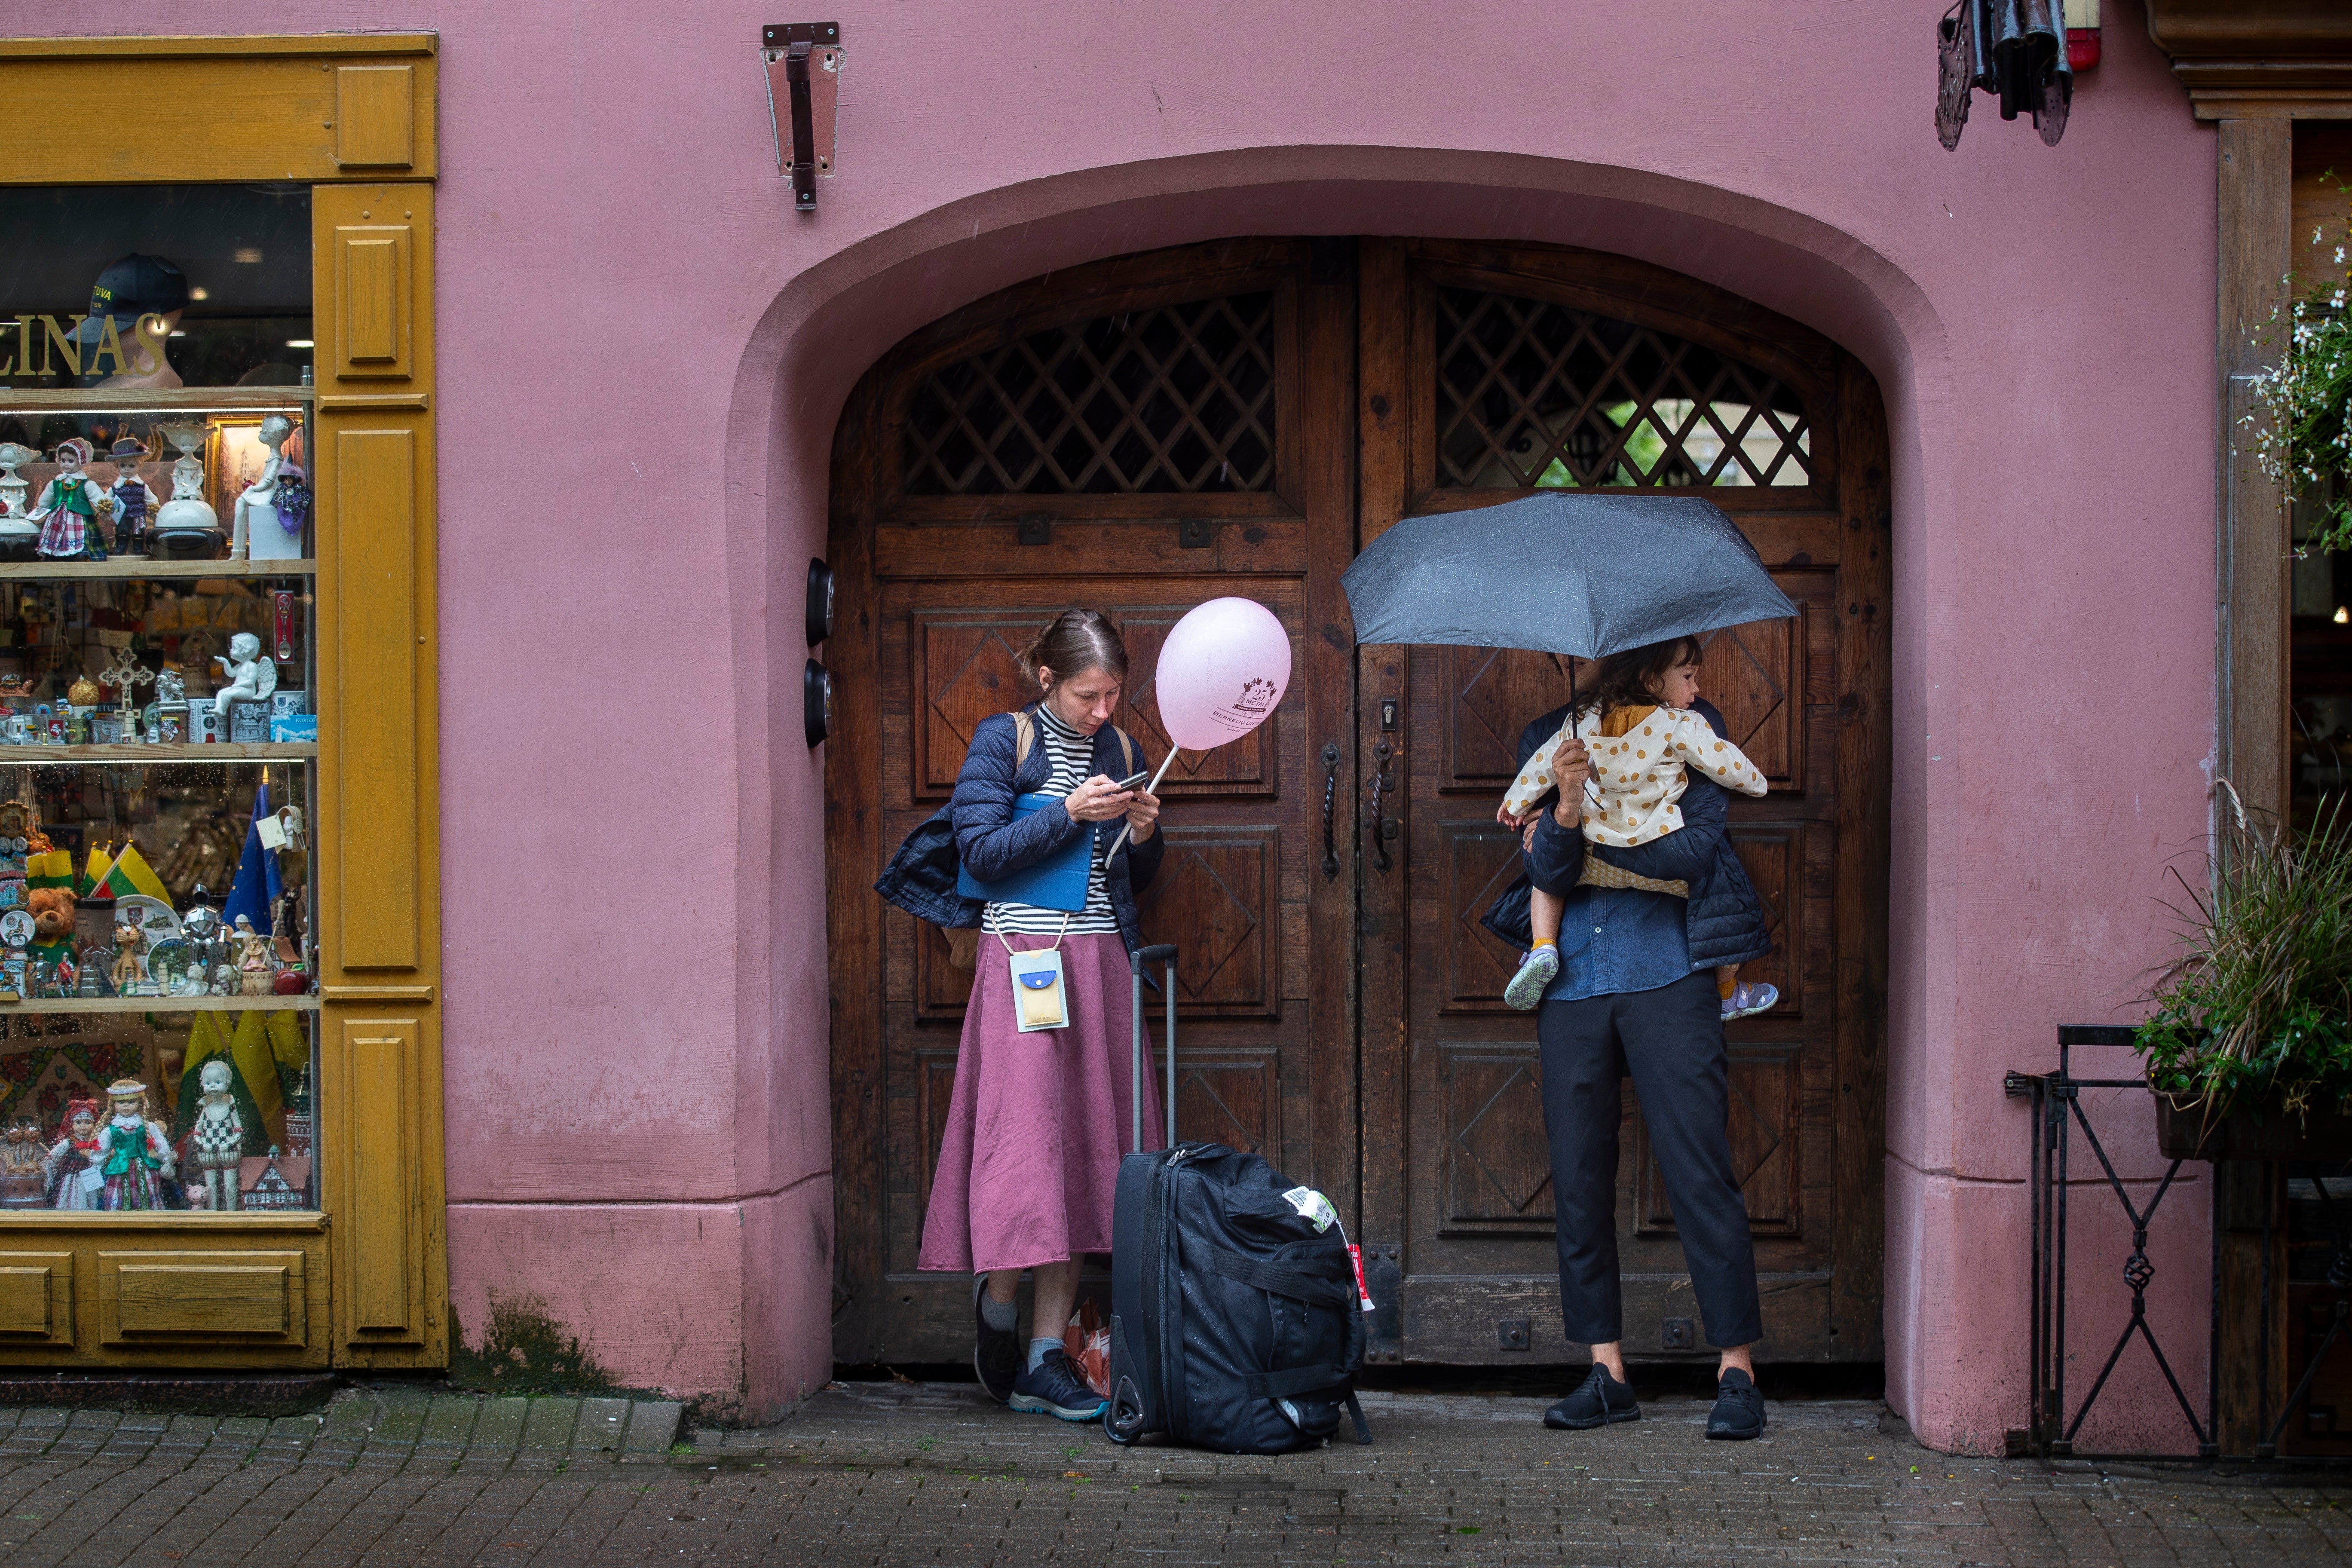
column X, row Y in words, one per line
column 1511, row 1334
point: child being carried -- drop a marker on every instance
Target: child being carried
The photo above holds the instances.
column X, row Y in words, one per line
column 1641, row 756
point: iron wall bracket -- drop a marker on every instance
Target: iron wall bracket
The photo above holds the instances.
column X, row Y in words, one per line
column 804, row 64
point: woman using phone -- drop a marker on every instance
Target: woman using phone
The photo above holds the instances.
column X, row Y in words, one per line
column 1037, row 1121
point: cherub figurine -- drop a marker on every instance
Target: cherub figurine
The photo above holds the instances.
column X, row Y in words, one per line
column 69, row 507
column 251, row 673
column 134, row 1159
column 71, row 1167
column 216, row 1140
column 136, row 500
column 256, row 964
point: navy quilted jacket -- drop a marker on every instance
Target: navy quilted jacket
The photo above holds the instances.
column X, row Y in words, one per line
column 1726, row 922
column 976, row 828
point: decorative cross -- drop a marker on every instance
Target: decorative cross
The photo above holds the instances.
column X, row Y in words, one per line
column 126, row 673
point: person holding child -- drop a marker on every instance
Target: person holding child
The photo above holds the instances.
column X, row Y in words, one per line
column 1632, row 990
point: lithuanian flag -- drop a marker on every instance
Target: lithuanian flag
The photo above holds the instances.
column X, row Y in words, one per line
column 53, row 869
column 127, row 872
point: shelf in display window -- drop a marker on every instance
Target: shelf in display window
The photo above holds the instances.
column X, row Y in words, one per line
column 139, row 568
column 137, row 751
column 162, row 1004
column 140, row 399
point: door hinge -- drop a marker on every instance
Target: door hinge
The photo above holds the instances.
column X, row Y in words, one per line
column 804, row 62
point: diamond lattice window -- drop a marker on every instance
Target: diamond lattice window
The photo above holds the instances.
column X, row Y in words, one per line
column 1532, row 394
column 1173, row 399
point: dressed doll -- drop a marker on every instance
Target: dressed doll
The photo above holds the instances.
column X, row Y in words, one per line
column 216, row 1140
column 68, row 508
column 133, row 1156
column 74, row 1181
column 135, row 500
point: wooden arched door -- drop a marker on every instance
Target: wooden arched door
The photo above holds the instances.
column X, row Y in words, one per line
column 1145, row 432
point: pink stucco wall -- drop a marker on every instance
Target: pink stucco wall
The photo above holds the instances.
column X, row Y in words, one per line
column 643, row 350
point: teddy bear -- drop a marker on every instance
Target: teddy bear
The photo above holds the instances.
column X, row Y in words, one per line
column 52, row 949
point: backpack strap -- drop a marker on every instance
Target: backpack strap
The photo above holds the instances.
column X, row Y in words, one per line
column 1126, row 748
column 1025, row 735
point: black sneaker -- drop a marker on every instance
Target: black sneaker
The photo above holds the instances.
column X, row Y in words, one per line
column 1055, row 1387
column 996, row 1353
column 1738, row 1412
column 1599, row 1401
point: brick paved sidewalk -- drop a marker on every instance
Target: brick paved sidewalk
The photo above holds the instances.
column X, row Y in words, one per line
column 870, row 1473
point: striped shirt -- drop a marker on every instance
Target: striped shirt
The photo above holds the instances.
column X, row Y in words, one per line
column 1072, row 754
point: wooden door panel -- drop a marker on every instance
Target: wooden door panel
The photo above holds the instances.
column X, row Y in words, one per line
column 1476, row 862
column 964, row 670
column 1231, row 1096
column 1755, row 676
column 1496, row 692
column 1216, row 885
column 1497, row 1163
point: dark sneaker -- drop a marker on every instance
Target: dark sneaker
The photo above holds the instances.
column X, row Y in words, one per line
column 1599, row 1401
column 1536, row 972
column 996, row 1353
column 1056, row 1387
column 1738, row 1412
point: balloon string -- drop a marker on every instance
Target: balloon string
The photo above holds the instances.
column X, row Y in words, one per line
column 1151, row 788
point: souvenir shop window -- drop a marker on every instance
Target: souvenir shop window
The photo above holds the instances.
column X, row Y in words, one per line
column 158, row 735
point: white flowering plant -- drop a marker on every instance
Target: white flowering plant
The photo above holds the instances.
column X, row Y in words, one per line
column 2302, row 422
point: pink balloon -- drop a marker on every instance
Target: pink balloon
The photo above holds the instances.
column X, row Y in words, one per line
column 1223, row 670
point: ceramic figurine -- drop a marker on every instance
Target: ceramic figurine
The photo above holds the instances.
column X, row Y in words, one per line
column 133, row 1156
column 129, row 959
column 135, row 500
column 185, row 525
column 71, row 1167
column 70, row 507
column 22, row 1184
column 17, row 531
column 252, row 675
column 216, row 1140
column 257, row 965
column 257, row 529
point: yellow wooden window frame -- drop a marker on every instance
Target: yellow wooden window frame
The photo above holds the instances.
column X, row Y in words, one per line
column 366, row 1283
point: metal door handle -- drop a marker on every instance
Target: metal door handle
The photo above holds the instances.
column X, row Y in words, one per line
column 1330, row 801
column 1382, row 829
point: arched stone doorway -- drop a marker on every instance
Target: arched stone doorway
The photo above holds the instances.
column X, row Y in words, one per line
column 1239, row 417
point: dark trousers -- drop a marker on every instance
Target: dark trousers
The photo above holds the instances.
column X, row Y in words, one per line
column 1671, row 1041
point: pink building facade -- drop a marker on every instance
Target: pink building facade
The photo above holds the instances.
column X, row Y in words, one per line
column 644, row 351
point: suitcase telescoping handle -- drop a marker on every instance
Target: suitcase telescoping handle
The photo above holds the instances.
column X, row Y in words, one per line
column 1163, row 953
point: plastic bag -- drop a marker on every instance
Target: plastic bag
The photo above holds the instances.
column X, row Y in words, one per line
column 1087, row 1341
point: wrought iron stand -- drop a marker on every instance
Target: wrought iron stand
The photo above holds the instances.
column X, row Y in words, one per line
column 2057, row 1111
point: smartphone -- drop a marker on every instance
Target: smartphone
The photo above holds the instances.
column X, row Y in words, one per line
column 1135, row 782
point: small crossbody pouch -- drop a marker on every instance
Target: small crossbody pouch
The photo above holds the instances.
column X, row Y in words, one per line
column 1040, row 1001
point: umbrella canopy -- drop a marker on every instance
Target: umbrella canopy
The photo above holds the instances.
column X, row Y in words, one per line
column 1574, row 572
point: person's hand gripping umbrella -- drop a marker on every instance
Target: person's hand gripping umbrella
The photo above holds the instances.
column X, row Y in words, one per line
column 1223, row 670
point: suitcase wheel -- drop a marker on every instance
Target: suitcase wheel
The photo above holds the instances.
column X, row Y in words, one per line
column 1123, row 1415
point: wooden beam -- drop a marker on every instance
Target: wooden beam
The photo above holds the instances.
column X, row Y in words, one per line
column 2257, row 161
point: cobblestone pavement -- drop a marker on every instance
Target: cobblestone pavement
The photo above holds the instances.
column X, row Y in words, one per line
column 885, row 1473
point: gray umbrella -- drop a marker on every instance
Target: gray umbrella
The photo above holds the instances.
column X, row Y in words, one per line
column 1577, row 571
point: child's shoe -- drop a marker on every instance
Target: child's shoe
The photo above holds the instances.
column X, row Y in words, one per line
column 1747, row 1000
column 1536, row 972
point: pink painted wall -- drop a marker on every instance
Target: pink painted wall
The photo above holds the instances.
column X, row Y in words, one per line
column 644, row 351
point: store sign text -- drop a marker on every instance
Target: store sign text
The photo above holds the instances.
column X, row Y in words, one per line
column 43, row 345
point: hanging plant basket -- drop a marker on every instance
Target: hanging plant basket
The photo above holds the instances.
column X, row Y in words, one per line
column 2268, row 1132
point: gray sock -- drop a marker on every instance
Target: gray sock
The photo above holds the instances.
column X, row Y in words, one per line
column 1038, row 1349
column 999, row 1315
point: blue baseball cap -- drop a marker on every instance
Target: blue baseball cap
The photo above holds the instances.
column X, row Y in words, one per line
column 133, row 286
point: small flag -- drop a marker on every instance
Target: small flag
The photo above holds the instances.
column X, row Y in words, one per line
column 257, row 886
column 93, row 876
column 52, row 869
column 130, row 873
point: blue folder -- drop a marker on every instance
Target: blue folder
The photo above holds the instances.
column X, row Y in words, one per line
column 1056, row 882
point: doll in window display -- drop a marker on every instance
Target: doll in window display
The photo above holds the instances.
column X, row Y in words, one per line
column 133, row 1156
column 69, row 507
column 135, row 500
column 216, row 1140
column 71, row 1167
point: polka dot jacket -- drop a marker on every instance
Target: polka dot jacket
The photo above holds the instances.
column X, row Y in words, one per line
column 1638, row 776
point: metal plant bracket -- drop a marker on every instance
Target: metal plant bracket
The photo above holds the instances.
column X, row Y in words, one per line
column 803, row 63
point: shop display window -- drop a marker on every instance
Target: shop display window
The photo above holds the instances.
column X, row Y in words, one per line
column 158, row 730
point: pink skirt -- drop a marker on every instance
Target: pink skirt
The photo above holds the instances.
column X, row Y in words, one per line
column 1029, row 1166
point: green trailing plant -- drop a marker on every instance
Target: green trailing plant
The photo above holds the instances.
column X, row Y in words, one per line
column 2256, row 1007
column 2300, row 426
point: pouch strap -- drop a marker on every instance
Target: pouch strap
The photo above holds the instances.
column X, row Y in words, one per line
column 1293, row 1382
column 1008, row 946
column 1297, row 1284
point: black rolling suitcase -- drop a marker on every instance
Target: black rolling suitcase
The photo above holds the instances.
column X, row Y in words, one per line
column 1237, row 1323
